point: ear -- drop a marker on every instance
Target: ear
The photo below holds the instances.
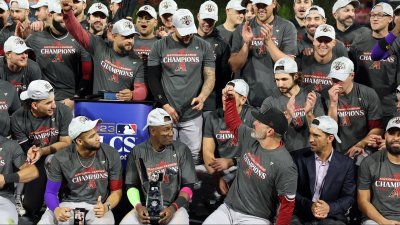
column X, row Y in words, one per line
column 34, row 105
column 331, row 138
column 78, row 141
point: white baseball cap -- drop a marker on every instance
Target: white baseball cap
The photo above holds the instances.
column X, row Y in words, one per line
column 15, row 44
column 396, row 10
column 149, row 9
column 54, row 7
column 235, row 4
column 40, row 3
column 167, row 6
column 325, row 30
column 116, row 1
column 341, row 68
column 82, row 1
column 124, row 27
column 184, row 22
column 81, row 124
column 314, row 8
column 240, row 86
column 327, row 125
column 98, row 7
column 267, row 2
column 285, row 65
column 3, row 5
column 342, row 3
column 37, row 90
column 386, row 8
column 208, row 10
column 22, row 4
column 157, row 118
column 394, row 122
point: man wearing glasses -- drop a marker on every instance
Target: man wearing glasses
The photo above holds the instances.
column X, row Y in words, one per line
column 325, row 189
column 114, row 69
column 257, row 44
column 382, row 76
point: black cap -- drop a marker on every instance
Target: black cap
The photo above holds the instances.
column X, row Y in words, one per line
column 273, row 118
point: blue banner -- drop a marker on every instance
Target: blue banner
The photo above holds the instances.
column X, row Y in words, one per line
column 123, row 122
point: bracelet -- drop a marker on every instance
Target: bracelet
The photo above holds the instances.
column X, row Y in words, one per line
column 11, row 178
column 179, row 202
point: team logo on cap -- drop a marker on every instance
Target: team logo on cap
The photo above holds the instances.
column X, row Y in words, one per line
column 83, row 119
column 19, row 41
column 186, row 20
column 326, row 29
column 99, row 6
column 145, row 8
column 397, row 120
column 210, row 8
column 339, row 66
column 48, row 86
column 166, row 5
column 127, row 25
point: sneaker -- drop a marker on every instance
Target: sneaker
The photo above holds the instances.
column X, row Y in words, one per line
column 20, row 209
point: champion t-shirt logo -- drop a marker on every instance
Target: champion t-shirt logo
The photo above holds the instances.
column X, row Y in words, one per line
column 319, row 79
column 117, row 70
column 346, row 112
column 180, row 59
column 161, row 166
column 389, row 185
column 88, row 176
column 43, row 135
column 2, row 162
column 254, row 166
column 3, row 106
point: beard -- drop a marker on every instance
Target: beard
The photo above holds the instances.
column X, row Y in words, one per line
column 258, row 135
column 392, row 150
column 58, row 27
column 91, row 148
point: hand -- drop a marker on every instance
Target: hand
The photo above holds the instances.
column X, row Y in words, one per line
column 308, row 51
column 334, row 93
column 125, row 95
column 166, row 215
column 266, row 32
column 389, row 222
column 375, row 141
column 290, row 108
column 67, row 5
column 220, row 164
column 310, row 102
column 172, row 112
column 247, row 33
column 322, row 209
column 223, row 186
column 62, row 214
column 228, row 92
column 99, row 209
column 22, row 30
column 68, row 102
column 197, row 103
column 34, row 154
column 37, row 26
column 355, row 150
column 2, row 181
column 161, row 32
column 143, row 214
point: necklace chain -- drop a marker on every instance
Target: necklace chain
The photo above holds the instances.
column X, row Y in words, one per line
column 90, row 164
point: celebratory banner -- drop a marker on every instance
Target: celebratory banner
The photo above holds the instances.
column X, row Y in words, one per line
column 123, row 122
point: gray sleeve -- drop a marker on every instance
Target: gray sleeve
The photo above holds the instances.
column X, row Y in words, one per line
column 364, row 180
column 237, row 40
column 289, row 40
column 139, row 78
column 208, row 60
column 115, row 170
column 318, row 108
column 267, row 104
column 155, row 54
column 96, row 43
column 341, row 49
column 66, row 117
column 374, row 111
column 16, row 104
column 186, row 167
column 286, row 178
column 36, row 73
column 132, row 174
column 17, row 130
column 208, row 127
column 54, row 173
column 19, row 157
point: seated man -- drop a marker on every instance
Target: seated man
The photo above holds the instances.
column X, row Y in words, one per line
column 12, row 156
column 378, row 180
column 92, row 172
column 325, row 188
column 160, row 154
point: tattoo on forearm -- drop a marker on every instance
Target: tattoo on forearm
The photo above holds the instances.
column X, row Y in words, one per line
column 209, row 81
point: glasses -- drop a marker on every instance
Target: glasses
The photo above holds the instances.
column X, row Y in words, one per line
column 324, row 40
column 378, row 15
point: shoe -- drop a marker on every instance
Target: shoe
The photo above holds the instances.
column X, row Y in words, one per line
column 20, row 209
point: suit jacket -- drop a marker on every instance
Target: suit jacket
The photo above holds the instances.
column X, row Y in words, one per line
column 338, row 189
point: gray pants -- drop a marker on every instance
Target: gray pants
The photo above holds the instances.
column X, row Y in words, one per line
column 369, row 222
column 49, row 218
column 8, row 212
column 226, row 215
column 190, row 133
column 180, row 217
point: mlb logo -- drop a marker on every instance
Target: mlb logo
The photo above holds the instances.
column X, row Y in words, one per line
column 126, row 129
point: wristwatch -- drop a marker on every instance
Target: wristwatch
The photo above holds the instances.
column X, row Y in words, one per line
column 108, row 205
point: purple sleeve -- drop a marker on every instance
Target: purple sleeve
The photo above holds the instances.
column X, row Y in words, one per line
column 378, row 53
column 51, row 194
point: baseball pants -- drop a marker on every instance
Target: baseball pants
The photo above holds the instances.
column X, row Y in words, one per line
column 226, row 215
column 369, row 222
column 180, row 217
column 49, row 218
column 8, row 212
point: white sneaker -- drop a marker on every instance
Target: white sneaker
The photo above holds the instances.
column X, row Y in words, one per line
column 20, row 209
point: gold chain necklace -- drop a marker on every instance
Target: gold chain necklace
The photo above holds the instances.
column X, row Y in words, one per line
column 90, row 164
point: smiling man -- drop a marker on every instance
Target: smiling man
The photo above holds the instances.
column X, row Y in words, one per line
column 97, row 19
column 299, row 8
column 234, row 16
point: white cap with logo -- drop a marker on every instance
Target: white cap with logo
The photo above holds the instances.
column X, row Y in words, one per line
column 341, row 68
column 184, row 22
column 124, row 27
column 240, row 86
column 235, row 4
column 285, row 65
column 267, row 2
column 98, row 7
column 81, row 124
column 393, row 123
column 327, row 125
column 386, row 8
column 317, row 9
column 40, row 3
column 3, row 5
column 22, row 4
column 54, row 7
column 342, row 3
column 167, row 6
column 37, row 90
column 15, row 44
column 149, row 9
column 208, row 10
column 157, row 118
column 325, row 30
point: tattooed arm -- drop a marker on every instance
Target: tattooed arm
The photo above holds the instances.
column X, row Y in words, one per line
column 208, row 86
